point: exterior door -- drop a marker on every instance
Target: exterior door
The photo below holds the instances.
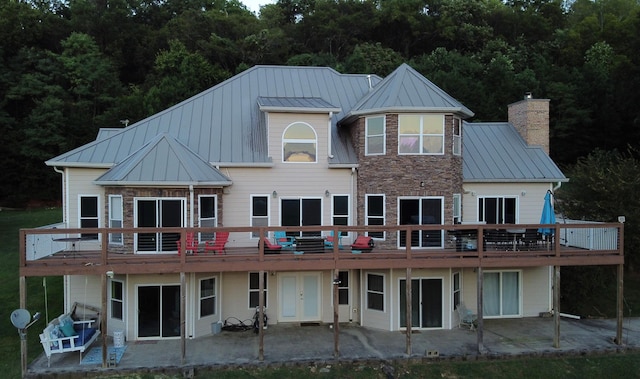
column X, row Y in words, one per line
column 302, row 212
column 421, row 211
column 158, row 213
column 426, row 303
column 158, row 311
column 299, row 297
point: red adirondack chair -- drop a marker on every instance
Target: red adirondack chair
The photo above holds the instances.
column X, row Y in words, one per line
column 191, row 245
column 363, row 243
column 218, row 244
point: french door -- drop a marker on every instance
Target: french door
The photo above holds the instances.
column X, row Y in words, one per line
column 159, row 311
column 426, row 303
column 158, row 213
column 421, row 211
column 301, row 212
column 300, row 297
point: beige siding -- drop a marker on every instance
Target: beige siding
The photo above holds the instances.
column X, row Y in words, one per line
column 530, row 199
column 85, row 289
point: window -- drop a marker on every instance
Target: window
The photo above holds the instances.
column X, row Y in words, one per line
column 374, row 213
column 457, row 208
column 457, row 137
column 501, row 293
column 420, row 134
column 497, row 210
column 343, row 288
column 421, row 211
column 208, row 210
column 158, row 213
column 254, row 290
column 299, row 143
column 374, row 143
column 456, row 290
column 375, row 292
column 117, row 300
column 207, row 297
column 115, row 218
column 340, row 211
column 89, row 215
column 259, row 213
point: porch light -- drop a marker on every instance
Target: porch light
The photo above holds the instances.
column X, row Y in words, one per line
column 327, row 193
column 274, row 194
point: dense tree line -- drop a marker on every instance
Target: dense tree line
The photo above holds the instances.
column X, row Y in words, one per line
column 69, row 67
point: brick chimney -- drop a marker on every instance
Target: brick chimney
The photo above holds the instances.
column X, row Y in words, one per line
column 531, row 118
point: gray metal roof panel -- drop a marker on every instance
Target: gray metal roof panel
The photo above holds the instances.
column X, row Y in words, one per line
column 304, row 104
column 406, row 89
column 496, row 152
column 224, row 123
column 163, row 160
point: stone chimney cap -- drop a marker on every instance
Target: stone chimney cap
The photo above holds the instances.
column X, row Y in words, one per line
column 528, row 95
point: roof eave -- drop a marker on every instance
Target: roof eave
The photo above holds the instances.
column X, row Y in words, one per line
column 513, row 180
column 455, row 110
column 299, row 110
column 162, row 184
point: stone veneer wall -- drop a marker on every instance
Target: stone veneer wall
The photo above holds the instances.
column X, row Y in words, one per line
column 129, row 193
column 531, row 118
column 400, row 175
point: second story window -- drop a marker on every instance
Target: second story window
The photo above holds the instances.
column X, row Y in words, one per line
column 299, row 143
column 89, row 215
column 374, row 143
column 457, row 137
column 421, row 134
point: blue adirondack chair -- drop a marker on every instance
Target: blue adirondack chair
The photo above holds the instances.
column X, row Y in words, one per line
column 282, row 239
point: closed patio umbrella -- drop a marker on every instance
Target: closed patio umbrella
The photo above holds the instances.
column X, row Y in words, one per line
column 548, row 215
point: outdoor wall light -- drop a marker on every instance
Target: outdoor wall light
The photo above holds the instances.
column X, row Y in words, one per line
column 327, row 193
column 473, row 193
column 523, row 193
column 621, row 219
column 274, row 194
column 110, row 274
column 421, row 184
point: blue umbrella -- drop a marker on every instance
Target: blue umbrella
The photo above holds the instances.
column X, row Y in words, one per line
column 548, row 215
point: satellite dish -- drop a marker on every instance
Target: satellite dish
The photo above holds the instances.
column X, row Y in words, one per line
column 20, row 318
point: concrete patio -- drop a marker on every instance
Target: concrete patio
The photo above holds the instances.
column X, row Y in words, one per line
column 291, row 344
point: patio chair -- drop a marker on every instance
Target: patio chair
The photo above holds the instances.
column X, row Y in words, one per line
column 466, row 318
column 363, row 243
column 191, row 245
column 531, row 238
column 281, row 238
column 270, row 248
column 218, row 244
column 328, row 241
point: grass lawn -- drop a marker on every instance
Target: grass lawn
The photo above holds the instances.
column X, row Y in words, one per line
column 625, row 365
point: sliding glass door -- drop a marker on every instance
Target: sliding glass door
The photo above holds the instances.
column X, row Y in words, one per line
column 158, row 213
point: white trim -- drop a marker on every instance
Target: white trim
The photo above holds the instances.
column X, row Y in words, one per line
column 366, row 291
column 442, row 302
column 420, row 198
column 199, row 297
column 384, row 213
column 520, row 292
column 111, row 219
column 313, row 141
column 383, row 135
column 421, row 134
column 251, row 216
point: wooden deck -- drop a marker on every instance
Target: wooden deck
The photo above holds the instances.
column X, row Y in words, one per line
column 486, row 251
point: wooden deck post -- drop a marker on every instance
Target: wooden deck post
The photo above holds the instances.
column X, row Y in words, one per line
column 480, row 330
column 261, row 316
column 336, row 304
column 620, row 303
column 183, row 317
column 103, row 317
column 408, row 307
column 556, row 306
column 23, row 339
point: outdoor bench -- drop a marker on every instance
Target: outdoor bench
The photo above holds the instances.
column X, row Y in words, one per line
column 64, row 334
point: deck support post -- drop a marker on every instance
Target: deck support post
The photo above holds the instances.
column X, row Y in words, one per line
column 103, row 317
column 620, row 304
column 556, row 307
column 480, row 329
column 336, row 319
column 409, row 310
column 261, row 316
column 23, row 339
column 183, row 310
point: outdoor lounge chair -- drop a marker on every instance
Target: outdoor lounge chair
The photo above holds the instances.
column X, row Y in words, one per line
column 328, row 241
column 466, row 318
column 271, row 248
column 191, row 245
column 217, row 245
column 282, row 239
column 363, row 243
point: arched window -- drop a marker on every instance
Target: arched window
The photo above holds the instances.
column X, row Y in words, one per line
column 299, row 143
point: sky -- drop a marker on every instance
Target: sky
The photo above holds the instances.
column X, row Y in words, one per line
column 254, row 5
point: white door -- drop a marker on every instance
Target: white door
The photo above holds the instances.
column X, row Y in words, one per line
column 299, row 297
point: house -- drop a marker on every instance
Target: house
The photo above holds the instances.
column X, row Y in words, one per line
column 312, row 151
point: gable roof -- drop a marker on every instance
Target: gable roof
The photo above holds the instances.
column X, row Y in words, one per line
column 495, row 152
column 404, row 90
column 163, row 161
column 224, row 124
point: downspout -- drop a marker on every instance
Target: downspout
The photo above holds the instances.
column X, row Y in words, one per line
column 191, row 201
column 329, row 134
column 64, row 194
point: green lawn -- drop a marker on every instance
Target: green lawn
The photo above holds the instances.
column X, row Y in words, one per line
column 597, row 366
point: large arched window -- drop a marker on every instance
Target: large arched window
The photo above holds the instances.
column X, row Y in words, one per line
column 299, row 143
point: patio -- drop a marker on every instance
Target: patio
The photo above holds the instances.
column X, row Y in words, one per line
column 289, row 344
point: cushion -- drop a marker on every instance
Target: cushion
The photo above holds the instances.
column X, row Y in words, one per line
column 67, row 329
column 54, row 334
column 84, row 335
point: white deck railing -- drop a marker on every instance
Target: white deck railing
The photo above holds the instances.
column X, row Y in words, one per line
column 43, row 245
column 588, row 238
